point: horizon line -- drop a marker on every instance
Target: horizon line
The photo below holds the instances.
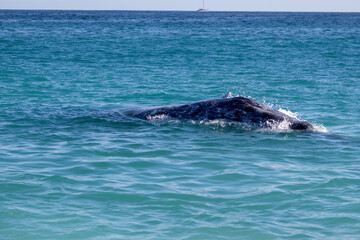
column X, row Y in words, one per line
column 134, row 10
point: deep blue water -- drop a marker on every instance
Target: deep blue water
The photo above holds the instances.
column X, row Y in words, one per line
column 73, row 165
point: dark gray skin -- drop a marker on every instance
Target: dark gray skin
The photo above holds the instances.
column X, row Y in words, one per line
column 239, row 109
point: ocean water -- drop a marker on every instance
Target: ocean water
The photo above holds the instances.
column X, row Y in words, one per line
column 73, row 165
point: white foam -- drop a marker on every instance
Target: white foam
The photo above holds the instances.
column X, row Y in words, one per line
column 289, row 113
column 320, row 128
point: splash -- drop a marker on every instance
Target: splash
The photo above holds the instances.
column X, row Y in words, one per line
column 289, row 113
column 317, row 127
column 320, row 128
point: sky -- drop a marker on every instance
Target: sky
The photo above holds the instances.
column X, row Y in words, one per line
column 188, row 5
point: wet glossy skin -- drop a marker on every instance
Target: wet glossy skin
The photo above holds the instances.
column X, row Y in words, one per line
column 238, row 109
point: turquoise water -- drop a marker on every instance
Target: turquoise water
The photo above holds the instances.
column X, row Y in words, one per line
column 73, row 165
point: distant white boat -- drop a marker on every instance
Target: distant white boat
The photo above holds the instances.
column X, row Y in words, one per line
column 203, row 9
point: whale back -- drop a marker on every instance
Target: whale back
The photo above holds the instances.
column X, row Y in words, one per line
column 238, row 109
